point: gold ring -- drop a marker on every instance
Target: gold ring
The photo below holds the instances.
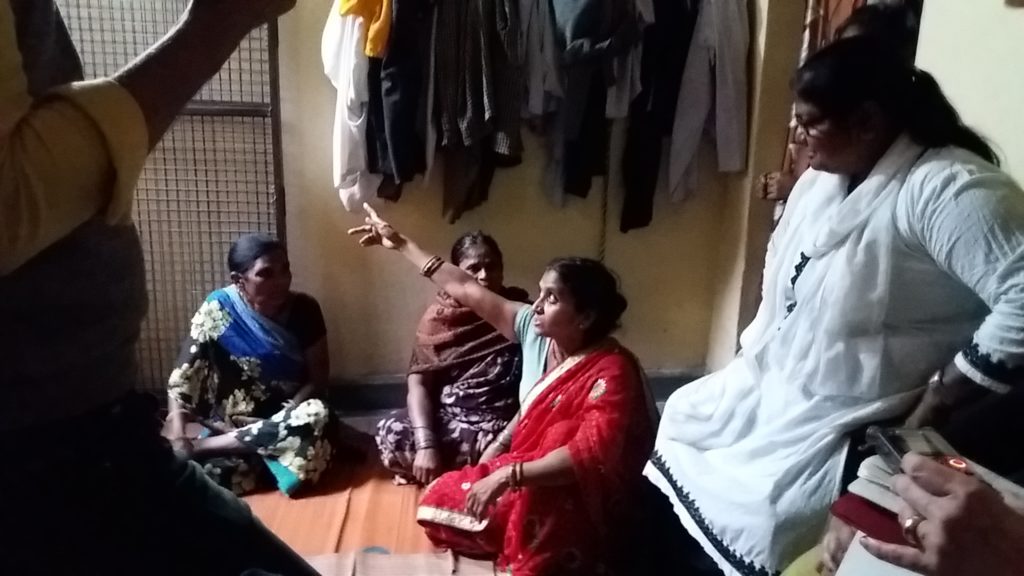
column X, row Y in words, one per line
column 909, row 527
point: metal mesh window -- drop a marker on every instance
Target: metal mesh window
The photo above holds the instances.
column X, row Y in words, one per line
column 215, row 175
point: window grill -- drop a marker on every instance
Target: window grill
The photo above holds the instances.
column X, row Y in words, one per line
column 215, row 175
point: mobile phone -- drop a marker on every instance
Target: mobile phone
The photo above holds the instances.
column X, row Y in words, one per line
column 893, row 443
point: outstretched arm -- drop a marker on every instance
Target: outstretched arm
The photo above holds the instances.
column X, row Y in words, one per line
column 495, row 310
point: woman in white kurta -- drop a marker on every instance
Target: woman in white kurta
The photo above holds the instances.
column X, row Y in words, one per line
column 899, row 261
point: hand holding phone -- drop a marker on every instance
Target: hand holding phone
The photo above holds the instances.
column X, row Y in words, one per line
column 894, row 443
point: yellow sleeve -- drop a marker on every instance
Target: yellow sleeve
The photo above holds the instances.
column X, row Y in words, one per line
column 75, row 154
column 378, row 31
column 376, row 15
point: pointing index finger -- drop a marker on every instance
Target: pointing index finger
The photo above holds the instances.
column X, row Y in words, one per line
column 371, row 212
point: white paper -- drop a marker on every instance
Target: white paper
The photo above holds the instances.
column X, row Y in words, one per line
column 858, row 562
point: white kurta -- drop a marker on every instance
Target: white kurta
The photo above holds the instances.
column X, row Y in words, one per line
column 865, row 295
column 345, row 63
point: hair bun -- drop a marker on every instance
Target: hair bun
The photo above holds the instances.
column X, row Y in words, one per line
column 620, row 303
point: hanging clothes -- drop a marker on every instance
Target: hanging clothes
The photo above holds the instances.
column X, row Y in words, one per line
column 402, row 77
column 584, row 152
column 540, row 57
column 377, row 152
column 398, row 130
column 665, row 47
column 589, row 36
column 543, row 88
column 714, row 89
column 626, row 68
column 377, row 16
column 346, row 65
column 479, row 78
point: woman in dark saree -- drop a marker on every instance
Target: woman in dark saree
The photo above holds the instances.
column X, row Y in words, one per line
column 249, row 373
column 463, row 378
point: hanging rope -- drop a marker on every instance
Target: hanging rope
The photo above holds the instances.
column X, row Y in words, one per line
column 602, row 239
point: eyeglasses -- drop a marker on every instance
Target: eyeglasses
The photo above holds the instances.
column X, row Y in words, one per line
column 813, row 127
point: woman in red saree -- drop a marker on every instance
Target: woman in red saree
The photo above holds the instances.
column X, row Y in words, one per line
column 556, row 492
column 592, row 408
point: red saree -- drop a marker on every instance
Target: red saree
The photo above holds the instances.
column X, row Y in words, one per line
column 597, row 405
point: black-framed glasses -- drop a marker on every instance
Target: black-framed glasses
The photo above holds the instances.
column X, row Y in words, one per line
column 813, row 126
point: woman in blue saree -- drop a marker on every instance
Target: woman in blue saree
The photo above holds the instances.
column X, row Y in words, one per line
column 249, row 373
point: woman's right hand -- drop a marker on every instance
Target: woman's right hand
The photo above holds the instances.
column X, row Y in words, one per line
column 377, row 232
column 426, row 465
column 838, row 537
column 964, row 526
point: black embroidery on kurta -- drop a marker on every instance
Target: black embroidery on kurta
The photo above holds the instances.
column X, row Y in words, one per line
column 997, row 370
column 741, row 564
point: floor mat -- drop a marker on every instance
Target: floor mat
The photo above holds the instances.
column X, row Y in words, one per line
column 438, row 564
column 352, row 509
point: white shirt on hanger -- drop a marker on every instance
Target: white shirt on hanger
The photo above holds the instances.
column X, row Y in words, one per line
column 345, row 64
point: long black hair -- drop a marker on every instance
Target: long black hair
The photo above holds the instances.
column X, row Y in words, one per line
column 595, row 290
column 849, row 73
column 249, row 248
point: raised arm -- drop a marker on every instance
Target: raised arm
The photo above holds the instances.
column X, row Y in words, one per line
column 495, row 310
column 76, row 152
column 165, row 77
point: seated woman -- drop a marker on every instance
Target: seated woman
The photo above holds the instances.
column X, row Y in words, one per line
column 552, row 495
column 255, row 359
column 897, row 270
column 463, row 378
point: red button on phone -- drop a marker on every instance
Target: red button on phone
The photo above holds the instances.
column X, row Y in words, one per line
column 955, row 463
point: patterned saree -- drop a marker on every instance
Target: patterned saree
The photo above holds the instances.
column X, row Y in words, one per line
column 236, row 374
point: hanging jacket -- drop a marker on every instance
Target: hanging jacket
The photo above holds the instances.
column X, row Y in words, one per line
column 714, row 89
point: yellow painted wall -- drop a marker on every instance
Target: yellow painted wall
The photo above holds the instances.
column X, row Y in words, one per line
column 976, row 51
column 746, row 220
column 373, row 299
